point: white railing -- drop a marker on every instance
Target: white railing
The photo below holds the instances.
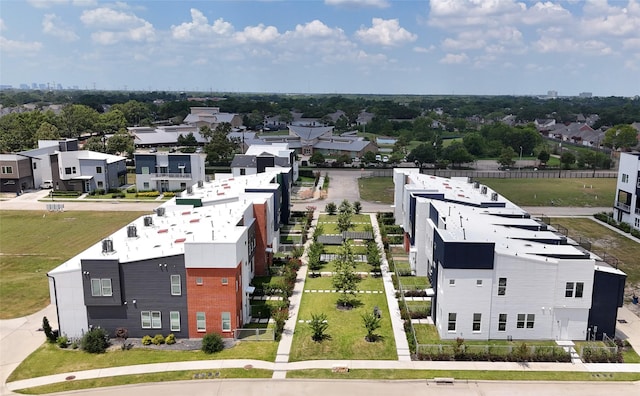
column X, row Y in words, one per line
column 623, row 206
column 172, row 175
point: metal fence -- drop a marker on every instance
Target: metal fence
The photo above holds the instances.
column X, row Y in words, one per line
column 263, row 334
column 512, row 174
column 503, row 350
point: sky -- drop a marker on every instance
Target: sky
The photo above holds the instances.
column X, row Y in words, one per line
column 460, row 47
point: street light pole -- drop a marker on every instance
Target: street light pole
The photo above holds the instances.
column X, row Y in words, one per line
column 520, row 163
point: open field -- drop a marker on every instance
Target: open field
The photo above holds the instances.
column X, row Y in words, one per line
column 33, row 243
column 555, row 192
column 50, row 359
column 376, row 189
column 604, row 240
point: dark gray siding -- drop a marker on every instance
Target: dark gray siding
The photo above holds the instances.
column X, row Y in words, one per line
column 148, row 283
column 463, row 255
column 607, row 297
column 101, row 269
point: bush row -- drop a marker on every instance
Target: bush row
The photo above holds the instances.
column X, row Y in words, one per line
column 608, row 218
column 159, row 339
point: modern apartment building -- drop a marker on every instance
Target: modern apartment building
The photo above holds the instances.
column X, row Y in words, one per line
column 168, row 171
column 497, row 273
column 626, row 207
column 185, row 269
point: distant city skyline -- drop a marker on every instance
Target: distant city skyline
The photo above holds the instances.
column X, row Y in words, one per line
column 461, row 47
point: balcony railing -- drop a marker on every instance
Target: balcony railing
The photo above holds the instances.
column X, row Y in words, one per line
column 171, row 175
column 623, row 206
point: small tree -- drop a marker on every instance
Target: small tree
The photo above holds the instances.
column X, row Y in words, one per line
column 357, row 207
column 48, row 332
column 95, row 340
column 373, row 257
column 371, row 323
column 331, row 208
column 317, row 158
column 567, row 159
column 122, row 334
column 345, row 280
column 543, row 157
column 318, row 327
column 280, row 316
column 344, row 221
column 212, row 343
column 345, row 207
column 314, row 253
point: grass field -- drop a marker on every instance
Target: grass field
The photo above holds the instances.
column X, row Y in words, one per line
column 33, row 243
column 604, row 240
column 50, row 359
column 563, row 192
column 376, row 189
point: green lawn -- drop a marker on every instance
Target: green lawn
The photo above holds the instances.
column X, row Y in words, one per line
column 415, row 282
column 603, row 240
column 563, row 192
column 49, row 359
column 164, row 376
column 345, row 327
column 376, row 189
column 34, row 242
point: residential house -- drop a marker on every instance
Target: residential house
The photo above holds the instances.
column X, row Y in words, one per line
column 15, row 173
column 626, row 207
column 260, row 157
column 186, row 269
column 86, row 171
column 211, row 117
column 168, row 171
column 497, row 273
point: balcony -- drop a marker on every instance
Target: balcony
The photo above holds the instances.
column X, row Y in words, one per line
column 637, row 211
column 170, row 176
column 623, row 207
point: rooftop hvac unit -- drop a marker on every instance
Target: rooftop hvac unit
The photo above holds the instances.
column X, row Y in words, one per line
column 494, row 196
column 132, row 231
column 189, row 190
column 483, row 190
column 107, row 246
column 207, row 178
column 160, row 212
column 469, row 179
column 476, row 185
column 200, row 184
column 148, row 221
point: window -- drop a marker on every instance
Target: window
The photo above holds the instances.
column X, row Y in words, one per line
column 531, row 318
column 226, row 321
column 625, row 178
column 100, row 184
column 7, row 169
column 225, row 281
column 151, row 319
column 452, row 282
column 67, row 171
column 477, row 319
column 243, row 171
column 145, row 185
column 176, row 287
column 579, row 289
column 174, row 319
column 198, row 281
column 35, row 166
column 569, row 289
column 101, row 287
column 520, row 322
column 502, row 322
column 502, row 286
column 201, row 322
column 479, row 282
column 98, row 169
column 636, row 223
column 452, row 322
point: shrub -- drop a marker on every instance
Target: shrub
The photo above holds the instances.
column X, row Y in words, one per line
column 171, row 339
column 99, row 191
column 62, row 342
column 151, row 194
column 158, row 339
column 95, row 340
column 146, row 340
column 118, row 195
column 331, row 208
column 74, row 345
column 212, row 343
column 48, row 332
column 319, row 327
column 131, row 190
column 169, row 194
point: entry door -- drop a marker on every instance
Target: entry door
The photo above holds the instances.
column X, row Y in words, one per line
column 564, row 329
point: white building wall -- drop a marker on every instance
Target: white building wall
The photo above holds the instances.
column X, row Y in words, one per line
column 629, row 166
column 247, row 171
column 423, row 239
column 72, row 320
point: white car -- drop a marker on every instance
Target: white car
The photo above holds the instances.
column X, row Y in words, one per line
column 46, row 184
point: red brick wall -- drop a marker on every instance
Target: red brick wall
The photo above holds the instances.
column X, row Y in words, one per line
column 261, row 259
column 213, row 298
column 407, row 242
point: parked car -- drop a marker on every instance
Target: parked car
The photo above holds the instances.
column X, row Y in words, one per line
column 46, row 184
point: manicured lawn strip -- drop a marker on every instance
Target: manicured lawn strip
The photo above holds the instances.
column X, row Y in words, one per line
column 426, row 334
column 325, row 283
column 397, row 250
column 563, row 192
column 166, row 376
column 376, row 189
column 361, row 266
column 402, row 266
column 415, row 282
column 335, row 249
column 30, row 244
column 330, row 228
column 605, row 240
column 127, row 196
column 49, row 359
column 345, row 329
column 465, row 375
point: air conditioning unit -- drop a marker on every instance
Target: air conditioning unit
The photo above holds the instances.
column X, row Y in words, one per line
column 160, row 212
column 148, row 221
column 107, row 246
column 132, row 231
column 494, row 196
column 483, row 190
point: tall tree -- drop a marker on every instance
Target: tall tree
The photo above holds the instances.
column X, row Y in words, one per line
column 77, row 120
column 47, row 131
column 110, row 122
column 621, row 137
column 345, row 280
column 220, row 146
column 120, row 143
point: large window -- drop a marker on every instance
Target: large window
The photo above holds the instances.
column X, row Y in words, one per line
column 226, row 321
column 151, row 319
column 569, row 289
column 477, row 320
column 174, row 319
column 201, row 322
column 527, row 321
column 502, row 286
column 502, row 322
column 574, row 289
column 101, row 287
column 579, row 289
column 531, row 318
column 520, row 322
column 625, row 178
column 7, row 170
column 452, row 321
column 176, row 287
column 98, row 169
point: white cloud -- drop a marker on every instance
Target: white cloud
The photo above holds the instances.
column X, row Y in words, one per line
column 385, row 32
column 424, row 50
column 632, row 43
column 602, row 18
column 315, row 29
column 546, row 13
column 358, row 3
column 199, row 28
column 455, row 13
column 450, row 44
column 2, row 25
column 13, row 47
column 116, row 26
column 568, row 44
column 52, row 3
column 258, row 34
column 455, row 59
column 53, row 26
